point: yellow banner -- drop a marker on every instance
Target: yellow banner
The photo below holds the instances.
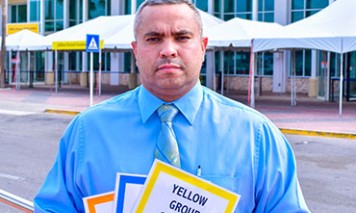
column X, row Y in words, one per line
column 14, row 28
column 72, row 45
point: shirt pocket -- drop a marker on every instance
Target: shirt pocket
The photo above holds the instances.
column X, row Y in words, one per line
column 226, row 182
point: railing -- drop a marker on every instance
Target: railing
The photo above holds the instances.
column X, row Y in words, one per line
column 16, row 202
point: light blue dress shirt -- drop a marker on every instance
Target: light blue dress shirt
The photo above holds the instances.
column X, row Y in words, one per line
column 235, row 146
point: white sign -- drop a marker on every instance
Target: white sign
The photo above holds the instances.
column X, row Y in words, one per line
column 169, row 189
column 127, row 189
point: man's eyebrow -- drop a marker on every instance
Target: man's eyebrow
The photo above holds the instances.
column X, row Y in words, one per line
column 178, row 33
column 152, row 33
column 183, row 32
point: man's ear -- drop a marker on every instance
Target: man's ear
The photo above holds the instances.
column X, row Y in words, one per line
column 204, row 43
column 134, row 45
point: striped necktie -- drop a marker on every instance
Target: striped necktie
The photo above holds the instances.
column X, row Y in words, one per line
column 167, row 147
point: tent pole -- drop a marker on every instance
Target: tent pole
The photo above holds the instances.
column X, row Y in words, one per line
column 10, row 67
column 56, row 70
column 99, row 75
column 327, row 92
column 251, row 98
column 222, row 67
column 28, row 68
column 341, row 82
column 292, row 84
column 17, row 70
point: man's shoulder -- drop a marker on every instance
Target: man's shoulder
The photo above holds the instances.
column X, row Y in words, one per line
column 222, row 100
column 127, row 100
column 228, row 105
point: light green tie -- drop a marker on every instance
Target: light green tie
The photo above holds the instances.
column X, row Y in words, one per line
column 167, row 147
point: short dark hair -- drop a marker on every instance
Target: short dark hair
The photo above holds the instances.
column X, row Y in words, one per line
column 138, row 17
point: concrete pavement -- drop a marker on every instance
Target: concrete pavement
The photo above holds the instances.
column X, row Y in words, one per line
column 310, row 117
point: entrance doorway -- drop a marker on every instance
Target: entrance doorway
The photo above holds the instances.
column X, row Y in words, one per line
column 351, row 77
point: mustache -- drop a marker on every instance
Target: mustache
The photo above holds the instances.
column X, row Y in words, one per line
column 170, row 61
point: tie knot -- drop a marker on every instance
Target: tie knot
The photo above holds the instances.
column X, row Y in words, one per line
column 167, row 112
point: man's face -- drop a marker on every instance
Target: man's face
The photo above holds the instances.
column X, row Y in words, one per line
column 169, row 50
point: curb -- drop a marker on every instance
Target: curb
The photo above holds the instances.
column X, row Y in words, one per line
column 318, row 133
column 283, row 130
column 60, row 111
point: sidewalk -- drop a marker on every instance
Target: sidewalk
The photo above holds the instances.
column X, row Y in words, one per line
column 310, row 117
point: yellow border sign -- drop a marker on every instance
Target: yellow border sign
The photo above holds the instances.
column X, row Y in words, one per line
column 72, row 45
column 14, row 28
column 167, row 188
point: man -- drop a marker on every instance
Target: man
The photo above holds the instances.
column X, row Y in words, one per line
column 232, row 145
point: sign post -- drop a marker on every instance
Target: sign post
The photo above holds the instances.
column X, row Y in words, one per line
column 92, row 46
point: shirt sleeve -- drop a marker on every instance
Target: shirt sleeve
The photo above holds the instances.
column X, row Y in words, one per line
column 277, row 187
column 59, row 192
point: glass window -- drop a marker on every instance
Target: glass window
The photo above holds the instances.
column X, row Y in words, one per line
column 317, row 4
column 243, row 5
column 13, row 14
column 300, row 10
column 269, row 5
column 96, row 8
column 18, row 13
column 59, row 9
column 228, row 62
column 242, row 63
column 22, row 13
column 299, row 62
column 128, row 7
column 264, row 64
column 73, row 8
column 34, row 10
column 307, row 65
column 202, row 5
column 244, row 15
column 297, row 4
column 228, row 16
column 311, row 12
column 296, row 16
column 268, row 17
column 49, row 9
column 229, row 6
column 303, row 62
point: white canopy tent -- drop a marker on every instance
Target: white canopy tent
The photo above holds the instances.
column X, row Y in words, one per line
column 104, row 26
column 122, row 39
column 332, row 29
column 239, row 33
column 25, row 40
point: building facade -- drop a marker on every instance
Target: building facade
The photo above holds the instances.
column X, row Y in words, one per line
column 273, row 68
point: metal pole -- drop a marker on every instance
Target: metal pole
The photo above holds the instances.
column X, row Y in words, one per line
column 56, row 70
column 99, row 78
column 28, row 68
column 292, row 86
column 252, row 77
column 341, row 82
column 91, row 78
column 16, row 201
column 17, row 70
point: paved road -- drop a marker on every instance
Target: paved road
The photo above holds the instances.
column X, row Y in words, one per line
column 327, row 166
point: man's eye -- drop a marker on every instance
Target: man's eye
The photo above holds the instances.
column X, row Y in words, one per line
column 183, row 38
column 152, row 39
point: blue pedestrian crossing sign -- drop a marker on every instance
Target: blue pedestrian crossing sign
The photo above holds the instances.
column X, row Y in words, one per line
column 92, row 43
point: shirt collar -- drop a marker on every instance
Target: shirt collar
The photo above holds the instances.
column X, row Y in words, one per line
column 188, row 105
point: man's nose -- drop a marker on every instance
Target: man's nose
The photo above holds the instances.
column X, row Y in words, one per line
column 169, row 50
